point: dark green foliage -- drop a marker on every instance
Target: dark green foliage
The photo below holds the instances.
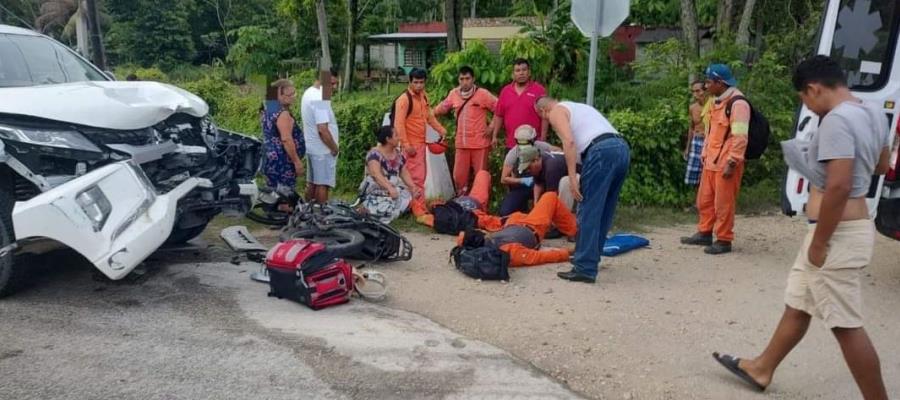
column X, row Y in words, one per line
column 490, row 73
column 358, row 120
column 159, row 34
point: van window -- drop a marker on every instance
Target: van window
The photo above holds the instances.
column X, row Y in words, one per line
column 864, row 41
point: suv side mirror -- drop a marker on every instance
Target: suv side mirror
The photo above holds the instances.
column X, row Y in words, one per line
column 110, row 75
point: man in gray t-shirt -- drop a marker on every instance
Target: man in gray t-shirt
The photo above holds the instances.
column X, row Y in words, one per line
column 851, row 145
column 851, row 130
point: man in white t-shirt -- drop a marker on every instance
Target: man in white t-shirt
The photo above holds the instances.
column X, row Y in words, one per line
column 320, row 130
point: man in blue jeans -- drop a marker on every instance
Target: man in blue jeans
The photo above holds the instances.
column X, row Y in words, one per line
column 589, row 139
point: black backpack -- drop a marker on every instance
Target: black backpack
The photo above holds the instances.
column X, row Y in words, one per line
column 479, row 260
column 757, row 134
column 409, row 106
column 451, row 218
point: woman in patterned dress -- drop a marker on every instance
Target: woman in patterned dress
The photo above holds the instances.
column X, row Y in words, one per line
column 386, row 187
column 283, row 142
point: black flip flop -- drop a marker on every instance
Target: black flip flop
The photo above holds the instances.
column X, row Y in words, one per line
column 731, row 364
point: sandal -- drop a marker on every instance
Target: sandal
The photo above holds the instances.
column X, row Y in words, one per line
column 732, row 365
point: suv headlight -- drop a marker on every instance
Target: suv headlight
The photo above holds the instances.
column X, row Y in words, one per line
column 95, row 205
column 62, row 138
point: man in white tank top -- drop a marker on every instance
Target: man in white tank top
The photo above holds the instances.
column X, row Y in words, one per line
column 589, row 139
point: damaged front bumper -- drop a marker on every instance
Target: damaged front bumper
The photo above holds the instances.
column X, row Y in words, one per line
column 112, row 216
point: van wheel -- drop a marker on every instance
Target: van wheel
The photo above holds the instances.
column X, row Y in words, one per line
column 887, row 222
column 11, row 275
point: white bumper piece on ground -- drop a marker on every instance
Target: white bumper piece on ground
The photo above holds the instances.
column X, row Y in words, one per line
column 112, row 216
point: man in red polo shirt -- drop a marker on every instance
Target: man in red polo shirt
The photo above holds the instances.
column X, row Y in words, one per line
column 515, row 106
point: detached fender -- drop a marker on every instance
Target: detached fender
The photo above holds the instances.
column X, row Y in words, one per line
column 136, row 222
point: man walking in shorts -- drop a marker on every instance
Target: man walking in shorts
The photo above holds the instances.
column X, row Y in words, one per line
column 851, row 144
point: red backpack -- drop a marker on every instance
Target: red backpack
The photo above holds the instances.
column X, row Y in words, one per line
column 308, row 273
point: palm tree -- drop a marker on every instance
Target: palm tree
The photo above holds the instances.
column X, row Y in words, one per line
column 68, row 15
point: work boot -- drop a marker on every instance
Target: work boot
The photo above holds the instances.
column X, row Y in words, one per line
column 719, row 247
column 698, row 239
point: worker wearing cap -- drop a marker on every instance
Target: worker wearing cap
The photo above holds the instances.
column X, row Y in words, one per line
column 723, row 163
column 530, row 169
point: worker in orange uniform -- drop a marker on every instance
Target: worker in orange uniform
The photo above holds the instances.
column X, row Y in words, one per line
column 411, row 115
column 520, row 235
column 473, row 140
column 723, row 162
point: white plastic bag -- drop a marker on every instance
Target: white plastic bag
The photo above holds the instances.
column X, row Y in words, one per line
column 438, row 181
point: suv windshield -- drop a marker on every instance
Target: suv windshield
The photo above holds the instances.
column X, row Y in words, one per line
column 864, row 41
column 37, row 60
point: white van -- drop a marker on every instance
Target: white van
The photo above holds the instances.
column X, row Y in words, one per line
column 862, row 35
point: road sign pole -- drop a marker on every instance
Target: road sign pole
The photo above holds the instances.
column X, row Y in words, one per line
column 592, row 67
column 592, row 71
column 595, row 19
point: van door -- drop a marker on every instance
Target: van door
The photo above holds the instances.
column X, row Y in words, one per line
column 862, row 36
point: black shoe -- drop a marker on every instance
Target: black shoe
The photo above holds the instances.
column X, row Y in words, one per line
column 698, row 239
column 575, row 277
column 719, row 247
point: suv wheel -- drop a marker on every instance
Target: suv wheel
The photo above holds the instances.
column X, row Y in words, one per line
column 11, row 274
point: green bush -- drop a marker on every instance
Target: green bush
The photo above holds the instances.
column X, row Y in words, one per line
column 489, row 71
column 657, row 170
column 215, row 91
column 358, row 119
column 144, row 74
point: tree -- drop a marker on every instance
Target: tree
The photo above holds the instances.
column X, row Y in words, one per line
column 453, row 17
column 350, row 55
column 689, row 27
column 743, row 35
column 19, row 12
column 69, row 18
column 322, row 21
column 162, row 34
column 724, row 16
column 98, row 53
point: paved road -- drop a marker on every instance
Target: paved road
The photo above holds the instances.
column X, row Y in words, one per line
column 198, row 330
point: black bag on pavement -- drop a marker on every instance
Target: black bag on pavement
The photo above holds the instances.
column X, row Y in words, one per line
column 486, row 262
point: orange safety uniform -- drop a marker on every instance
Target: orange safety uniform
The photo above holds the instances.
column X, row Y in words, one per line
column 473, row 143
column 410, row 130
column 726, row 140
column 549, row 209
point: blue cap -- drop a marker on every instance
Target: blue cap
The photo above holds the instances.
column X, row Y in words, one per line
column 721, row 72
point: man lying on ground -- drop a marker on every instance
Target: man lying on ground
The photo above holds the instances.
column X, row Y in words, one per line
column 520, row 235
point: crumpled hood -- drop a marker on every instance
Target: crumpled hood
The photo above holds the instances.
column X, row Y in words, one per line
column 110, row 105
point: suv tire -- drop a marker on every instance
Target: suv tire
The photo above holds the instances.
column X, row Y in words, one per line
column 11, row 274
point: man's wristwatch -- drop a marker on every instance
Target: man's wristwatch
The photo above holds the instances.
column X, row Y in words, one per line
column 732, row 163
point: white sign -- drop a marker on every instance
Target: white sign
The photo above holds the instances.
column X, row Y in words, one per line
column 599, row 17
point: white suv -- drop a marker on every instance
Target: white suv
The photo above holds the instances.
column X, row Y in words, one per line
column 111, row 170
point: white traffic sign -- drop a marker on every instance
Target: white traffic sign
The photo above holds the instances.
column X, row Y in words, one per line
column 599, row 17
